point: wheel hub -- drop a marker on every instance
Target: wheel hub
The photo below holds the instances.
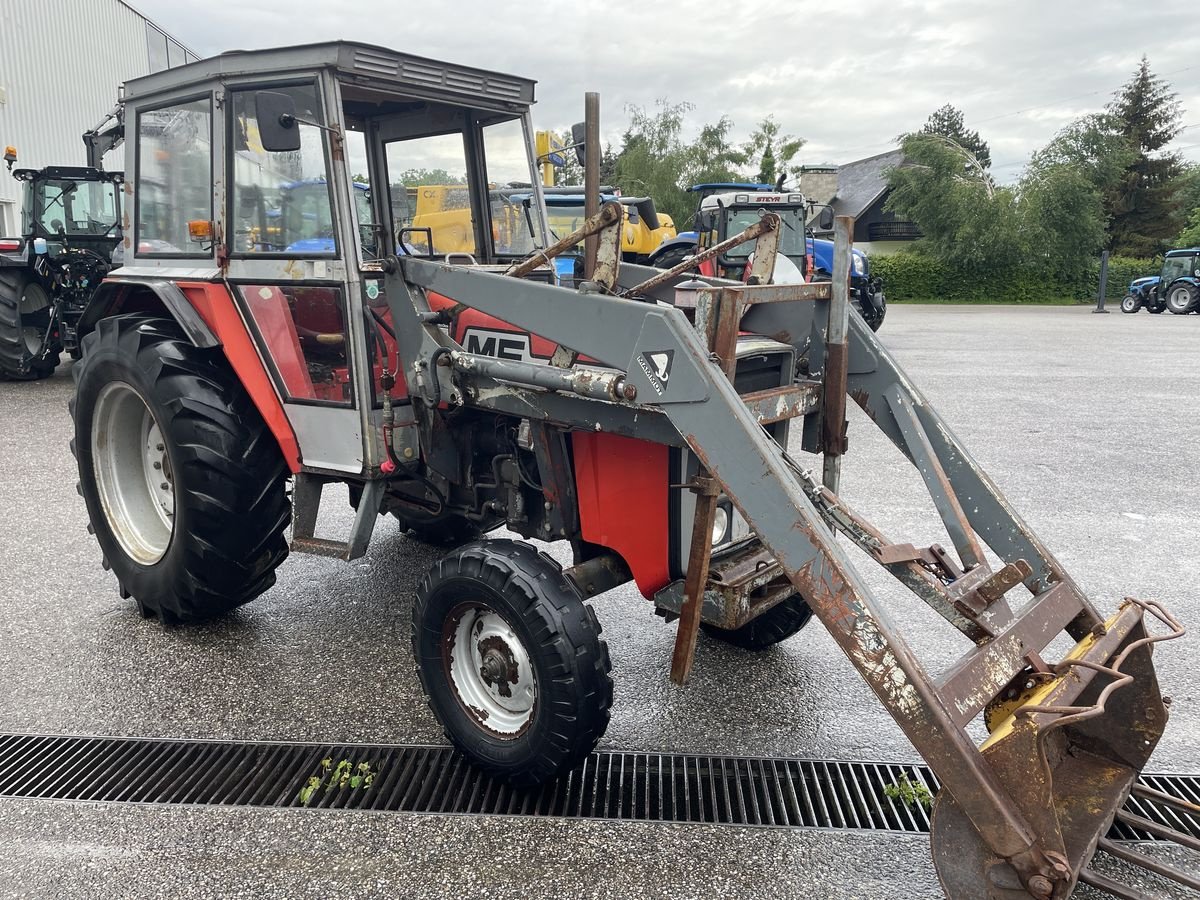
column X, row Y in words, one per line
column 490, row 670
column 134, row 478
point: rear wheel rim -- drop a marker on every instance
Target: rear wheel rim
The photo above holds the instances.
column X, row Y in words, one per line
column 133, row 473
column 489, row 670
column 1180, row 298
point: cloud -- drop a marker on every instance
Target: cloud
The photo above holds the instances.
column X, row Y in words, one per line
column 846, row 77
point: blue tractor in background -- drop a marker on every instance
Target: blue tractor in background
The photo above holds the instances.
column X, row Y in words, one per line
column 725, row 208
column 1176, row 287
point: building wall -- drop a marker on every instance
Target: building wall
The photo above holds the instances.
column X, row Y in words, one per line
column 61, row 62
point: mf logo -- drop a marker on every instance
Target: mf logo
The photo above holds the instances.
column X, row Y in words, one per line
column 513, row 345
column 657, row 367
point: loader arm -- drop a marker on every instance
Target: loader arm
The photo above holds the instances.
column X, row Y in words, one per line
column 664, row 367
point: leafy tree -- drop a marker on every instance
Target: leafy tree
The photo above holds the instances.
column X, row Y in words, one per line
column 414, row 177
column 1190, row 236
column 1091, row 145
column 966, row 219
column 1062, row 216
column 360, row 178
column 1143, row 206
column 655, row 160
column 773, row 150
column 948, row 122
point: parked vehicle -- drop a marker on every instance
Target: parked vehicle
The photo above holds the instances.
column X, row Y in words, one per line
column 70, row 227
column 643, row 421
column 726, row 208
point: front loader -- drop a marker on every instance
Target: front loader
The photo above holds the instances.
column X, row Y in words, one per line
column 662, row 425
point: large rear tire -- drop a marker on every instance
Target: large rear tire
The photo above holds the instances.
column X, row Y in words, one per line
column 511, row 660
column 777, row 624
column 184, row 483
column 669, row 259
column 27, row 349
column 1182, row 298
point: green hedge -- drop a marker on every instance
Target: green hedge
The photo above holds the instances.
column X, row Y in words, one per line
column 917, row 278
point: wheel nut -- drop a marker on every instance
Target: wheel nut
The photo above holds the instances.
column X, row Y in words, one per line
column 159, row 447
column 158, row 465
column 165, row 486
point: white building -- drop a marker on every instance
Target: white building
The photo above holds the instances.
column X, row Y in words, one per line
column 61, row 62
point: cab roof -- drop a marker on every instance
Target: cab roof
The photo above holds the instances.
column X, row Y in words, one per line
column 377, row 66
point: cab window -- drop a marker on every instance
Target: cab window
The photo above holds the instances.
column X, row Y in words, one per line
column 281, row 200
column 174, row 177
column 430, row 200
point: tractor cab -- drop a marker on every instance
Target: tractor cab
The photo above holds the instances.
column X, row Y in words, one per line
column 249, row 176
column 69, row 206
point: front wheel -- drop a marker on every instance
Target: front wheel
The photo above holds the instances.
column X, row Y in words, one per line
column 1181, row 299
column 511, row 660
column 777, row 624
column 184, row 484
column 1130, row 303
column 28, row 348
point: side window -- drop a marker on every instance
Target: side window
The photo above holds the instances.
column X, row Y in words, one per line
column 174, row 178
column 304, row 329
column 431, row 204
column 513, row 216
column 281, row 201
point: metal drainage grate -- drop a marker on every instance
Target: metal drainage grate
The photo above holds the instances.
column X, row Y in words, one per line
column 654, row 787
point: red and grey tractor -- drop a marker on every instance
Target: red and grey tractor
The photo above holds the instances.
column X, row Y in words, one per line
column 652, row 422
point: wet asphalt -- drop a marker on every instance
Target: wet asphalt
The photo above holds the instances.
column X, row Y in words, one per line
column 1089, row 423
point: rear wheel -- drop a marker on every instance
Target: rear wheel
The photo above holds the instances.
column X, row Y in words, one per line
column 1181, row 298
column 184, row 484
column 1131, row 303
column 511, row 660
column 27, row 349
column 777, row 624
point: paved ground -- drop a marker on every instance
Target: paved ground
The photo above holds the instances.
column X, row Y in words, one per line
column 1089, row 423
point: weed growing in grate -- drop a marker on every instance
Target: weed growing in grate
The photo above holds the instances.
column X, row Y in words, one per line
column 344, row 773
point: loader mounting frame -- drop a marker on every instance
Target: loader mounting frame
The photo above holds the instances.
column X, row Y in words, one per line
column 1017, row 836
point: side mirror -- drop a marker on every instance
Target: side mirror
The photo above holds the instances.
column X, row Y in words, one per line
column 578, row 138
column 825, row 220
column 276, row 115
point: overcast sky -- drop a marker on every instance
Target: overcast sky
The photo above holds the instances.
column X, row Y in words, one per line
column 847, row 77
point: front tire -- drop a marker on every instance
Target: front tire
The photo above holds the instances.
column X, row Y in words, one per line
column 1130, row 303
column 28, row 351
column 511, row 660
column 777, row 624
column 1181, row 298
column 184, row 483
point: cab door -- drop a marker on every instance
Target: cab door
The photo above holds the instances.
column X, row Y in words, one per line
column 287, row 270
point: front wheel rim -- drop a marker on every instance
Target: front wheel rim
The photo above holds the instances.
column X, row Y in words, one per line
column 1128, row 304
column 133, row 473
column 489, row 670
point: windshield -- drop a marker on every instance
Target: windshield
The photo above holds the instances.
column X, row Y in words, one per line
column 1176, row 267
column 791, row 239
column 565, row 217
column 76, row 207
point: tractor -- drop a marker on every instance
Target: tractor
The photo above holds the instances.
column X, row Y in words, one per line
column 70, row 226
column 725, row 207
column 681, row 434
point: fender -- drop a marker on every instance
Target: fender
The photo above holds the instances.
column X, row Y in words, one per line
column 206, row 314
column 687, row 239
column 114, row 296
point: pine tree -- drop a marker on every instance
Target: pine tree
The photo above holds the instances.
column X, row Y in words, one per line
column 948, row 122
column 1144, row 206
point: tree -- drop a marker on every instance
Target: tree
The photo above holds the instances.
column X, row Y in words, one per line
column 773, row 151
column 1143, row 206
column 1190, row 236
column 656, row 161
column 417, row 177
column 948, row 122
column 967, row 221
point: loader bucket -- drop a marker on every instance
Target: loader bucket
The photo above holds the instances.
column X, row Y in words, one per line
column 1068, row 747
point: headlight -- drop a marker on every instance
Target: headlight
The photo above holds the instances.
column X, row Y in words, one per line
column 860, row 264
column 720, row 526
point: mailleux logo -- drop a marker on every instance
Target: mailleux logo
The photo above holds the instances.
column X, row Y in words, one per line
column 657, row 366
